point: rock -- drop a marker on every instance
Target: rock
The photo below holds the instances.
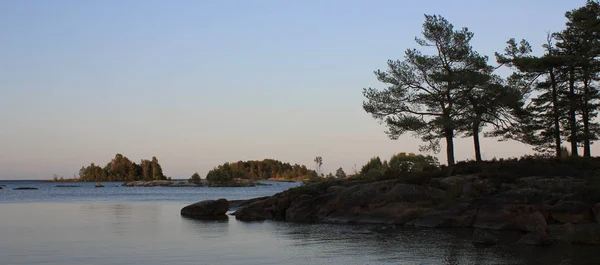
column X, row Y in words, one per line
column 380, row 202
column 531, row 222
column 457, row 216
column 98, row 185
column 571, row 212
column 381, row 193
column 525, row 196
column 207, row 208
column 152, row 183
column 1, row 188
column 335, row 189
column 253, row 212
column 25, row 188
column 562, row 185
column 496, row 218
column 536, row 239
column 561, row 232
column 453, row 182
column 67, row 186
column 307, row 209
column 583, row 234
column 596, row 211
column 393, row 214
column 184, row 184
column 483, row 237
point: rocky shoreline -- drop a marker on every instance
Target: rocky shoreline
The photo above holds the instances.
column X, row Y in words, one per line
column 169, row 183
column 544, row 209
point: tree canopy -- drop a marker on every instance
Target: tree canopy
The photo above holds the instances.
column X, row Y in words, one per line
column 121, row 168
column 258, row 170
column 447, row 89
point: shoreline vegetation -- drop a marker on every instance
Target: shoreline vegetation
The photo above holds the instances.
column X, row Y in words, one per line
column 451, row 91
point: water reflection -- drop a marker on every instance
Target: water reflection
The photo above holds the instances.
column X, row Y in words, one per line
column 155, row 233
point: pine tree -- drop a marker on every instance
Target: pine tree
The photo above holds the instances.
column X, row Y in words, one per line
column 424, row 91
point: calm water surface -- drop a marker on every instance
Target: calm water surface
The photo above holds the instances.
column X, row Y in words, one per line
column 119, row 225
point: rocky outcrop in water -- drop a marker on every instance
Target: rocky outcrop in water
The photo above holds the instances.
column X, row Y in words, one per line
column 67, row 186
column 160, row 183
column 25, row 188
column 528, row 204
column 169, row 183
column 98, row 185
column 206, row 209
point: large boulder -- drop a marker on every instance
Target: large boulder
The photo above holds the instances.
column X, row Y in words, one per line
column 382, row 193
column 496, row 218
column 531, row 222
column 483, row 237
column 561, row 185
column 393, row 213
column 453, row 182
column 561, row 231
column 206, row 209
column 571, row 212
column 308, row 208
column 458, row 216
column 596, row 211
column 536, row 239
column 255, row 211
column 390, row 202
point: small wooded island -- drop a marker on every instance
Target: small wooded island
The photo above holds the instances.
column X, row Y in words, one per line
column 149, row 174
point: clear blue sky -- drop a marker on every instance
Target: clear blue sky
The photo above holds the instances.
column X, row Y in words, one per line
column 199, row 83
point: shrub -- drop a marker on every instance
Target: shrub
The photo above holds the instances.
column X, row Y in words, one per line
column 195, row 178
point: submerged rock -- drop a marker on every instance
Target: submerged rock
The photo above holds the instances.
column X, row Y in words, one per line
column 67, row 186
column 25, row 188
column 207, row 208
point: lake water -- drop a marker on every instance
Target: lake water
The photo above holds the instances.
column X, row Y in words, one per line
column 142, row 225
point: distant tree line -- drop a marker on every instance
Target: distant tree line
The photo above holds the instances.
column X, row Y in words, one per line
column 121, row 168
column 259, row 170
column 453, row 91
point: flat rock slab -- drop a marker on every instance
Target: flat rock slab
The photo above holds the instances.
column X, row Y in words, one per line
column 25, row 188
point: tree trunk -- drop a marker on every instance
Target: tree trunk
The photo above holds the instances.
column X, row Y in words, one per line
column 449, row 134
column 572, row 112
column 555, row 115
column 476, row 143
column 587, row 152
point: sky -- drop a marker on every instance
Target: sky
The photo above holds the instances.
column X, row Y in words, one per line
column 200, row 83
